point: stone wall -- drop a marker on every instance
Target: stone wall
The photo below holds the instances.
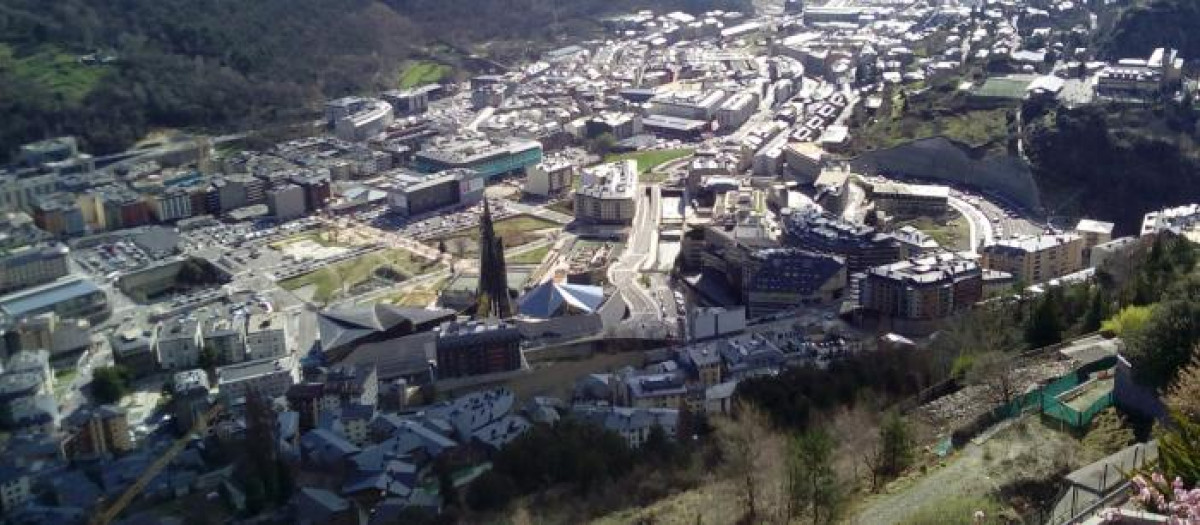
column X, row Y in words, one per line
column 941, row 159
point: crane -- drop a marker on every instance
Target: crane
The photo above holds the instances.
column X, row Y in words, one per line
column 107, row 515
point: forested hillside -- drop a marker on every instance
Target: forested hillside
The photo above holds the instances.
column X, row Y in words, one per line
column 1114, row 162
column 222, row 64
column 1149, row 24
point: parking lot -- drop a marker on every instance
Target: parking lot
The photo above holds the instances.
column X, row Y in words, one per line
column 113, row 258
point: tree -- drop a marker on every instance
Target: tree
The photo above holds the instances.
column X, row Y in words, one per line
column 1179, row 449
column 997, row 372
column 1164, row 345
column 209, row 359
column 893, row 453
column 111, row 383
column 1045, row 325
column 1096, row 313
column 602, row 144
column 1184, row 394
column 752, row 457
column 812, row 482
column 490, row 491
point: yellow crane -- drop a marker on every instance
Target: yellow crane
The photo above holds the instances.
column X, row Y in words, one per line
column 110, row 513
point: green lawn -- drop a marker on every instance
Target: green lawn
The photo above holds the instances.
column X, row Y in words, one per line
column 513, row 231
column 952, row 234
column 421, row 73
column 418, row 297
column 975, row 128
column 55, row 71
column 331, row 280
column 533, row 256
column 650, row 159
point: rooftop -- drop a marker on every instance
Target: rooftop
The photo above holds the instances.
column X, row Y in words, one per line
column 615, row 180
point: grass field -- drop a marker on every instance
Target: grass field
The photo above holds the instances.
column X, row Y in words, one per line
column 53, row 70
column 421, row 73
column 975, row 128
column 514, row 231
column 650, row 159
column 954, row 234
column 332, row 280
column 533, row 256
column 418, row 297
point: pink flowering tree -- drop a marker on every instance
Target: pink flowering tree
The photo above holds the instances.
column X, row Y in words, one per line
column 1181, row 505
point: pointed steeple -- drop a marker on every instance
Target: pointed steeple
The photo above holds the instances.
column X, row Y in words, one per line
column 492, row 299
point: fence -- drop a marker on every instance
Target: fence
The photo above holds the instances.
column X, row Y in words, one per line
column 1045, row 400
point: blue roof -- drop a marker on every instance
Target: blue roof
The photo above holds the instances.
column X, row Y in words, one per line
column 45, row 296
column 551, row 298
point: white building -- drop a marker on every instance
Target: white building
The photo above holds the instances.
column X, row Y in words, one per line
column 177, row 343
column 608, row 193
column 737, row 110
column 550, row 177
column 286, row 202
column 269, row 377
column 356, row 119
column 266, row 336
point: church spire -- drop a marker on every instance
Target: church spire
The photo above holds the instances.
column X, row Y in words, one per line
column 492, row 299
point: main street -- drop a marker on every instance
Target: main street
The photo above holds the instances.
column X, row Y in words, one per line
column 645, row 316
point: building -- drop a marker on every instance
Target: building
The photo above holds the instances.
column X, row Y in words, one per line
column 60, row 215
column 410, row 193
column 266, row 336
column 558, row 299
column 921, row 290
column 1036, row 259
column 170, row 204
column 189, row 398
column 356, row 119
column 1181, row 220
column 286, row 202
column 620, row 125
column 490, row 158
column 697, row 106
column 633, row 424
column 68, row 298
column 15, row 488
column 353, row 385
column 177, row 343
column 550, row 178
column 1141, row 79
column 19, row 191
column 223, row 336
column 736, row 110
column 909, row 200
column 132, row 348
column 98, row 433
column 715, row 321
column 608, row 193
column 268, row 377
column 345, row 330
column 1094, row 233
column 477, row 348
column 32, row 265
column 862, row 246
column 408, row 101
column 775, row 280
column 650, row 390
column 805, row 160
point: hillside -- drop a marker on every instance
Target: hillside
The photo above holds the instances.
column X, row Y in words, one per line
column 224, row 64
column 1138, row 29
column 1115, row 163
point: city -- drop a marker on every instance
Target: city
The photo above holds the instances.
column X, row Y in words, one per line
column 816, row 230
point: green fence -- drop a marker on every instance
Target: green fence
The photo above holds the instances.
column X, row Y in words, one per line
column 1045, row 399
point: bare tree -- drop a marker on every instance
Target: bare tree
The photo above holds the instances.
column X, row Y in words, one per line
column 753, row 461
column 998, row 373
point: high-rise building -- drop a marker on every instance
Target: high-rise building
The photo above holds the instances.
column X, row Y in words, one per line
column 492, row 299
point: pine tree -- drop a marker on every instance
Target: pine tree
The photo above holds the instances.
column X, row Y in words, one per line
column 1097, row 311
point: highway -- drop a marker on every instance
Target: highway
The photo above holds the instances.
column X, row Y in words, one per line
column 981, row 228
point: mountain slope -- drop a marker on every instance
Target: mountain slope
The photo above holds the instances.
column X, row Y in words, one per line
column 1139, row 29
column 223, row 64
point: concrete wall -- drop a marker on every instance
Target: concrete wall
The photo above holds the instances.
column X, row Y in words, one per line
column 939, row 158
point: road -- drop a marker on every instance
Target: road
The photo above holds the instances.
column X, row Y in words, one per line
column 980, row 226
column 540, row 212
column 645, row 315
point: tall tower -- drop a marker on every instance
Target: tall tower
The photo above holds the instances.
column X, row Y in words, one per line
column 492, row 298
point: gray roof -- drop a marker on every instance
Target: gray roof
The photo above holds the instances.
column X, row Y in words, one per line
column 47, row 295
column 341, row 327
column 553, row 298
